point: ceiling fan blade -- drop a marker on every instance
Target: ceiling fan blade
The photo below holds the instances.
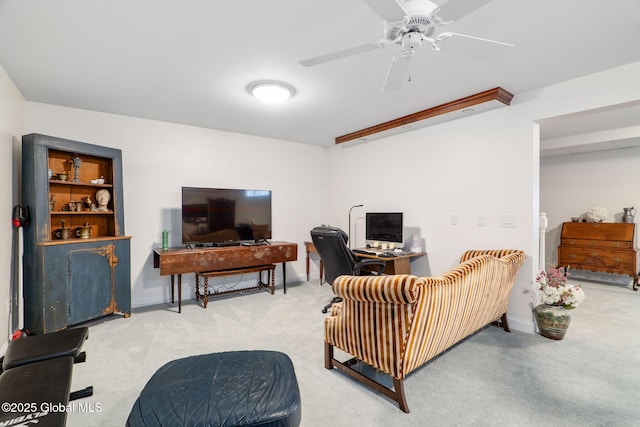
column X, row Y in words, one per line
column 389, row 10
column 398, row 71
column 344, row 53
column 470, row 46
column 453, row 10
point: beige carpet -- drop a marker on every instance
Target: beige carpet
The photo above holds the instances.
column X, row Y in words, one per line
column 591, row 378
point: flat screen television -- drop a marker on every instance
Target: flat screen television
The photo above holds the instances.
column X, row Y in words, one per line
column 223, row 215
column 384, row 227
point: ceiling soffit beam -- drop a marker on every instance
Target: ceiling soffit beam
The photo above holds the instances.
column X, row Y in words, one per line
column 495, row 94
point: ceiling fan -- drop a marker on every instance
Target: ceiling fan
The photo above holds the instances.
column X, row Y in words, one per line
column 409, row 24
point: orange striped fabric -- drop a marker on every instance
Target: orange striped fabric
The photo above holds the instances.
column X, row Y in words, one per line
column 397, row 323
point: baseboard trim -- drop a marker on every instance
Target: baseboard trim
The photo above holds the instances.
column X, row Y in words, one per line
column 522, row 325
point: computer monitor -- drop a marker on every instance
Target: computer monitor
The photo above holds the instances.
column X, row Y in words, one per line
column 384, row 227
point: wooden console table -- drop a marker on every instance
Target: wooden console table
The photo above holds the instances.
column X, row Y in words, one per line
column 177, row 261
column 599, row 246
column 204, row 296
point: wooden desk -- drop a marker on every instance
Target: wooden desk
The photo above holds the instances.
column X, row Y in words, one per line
column 176, row 261
column 399, row 264
column 312, row 249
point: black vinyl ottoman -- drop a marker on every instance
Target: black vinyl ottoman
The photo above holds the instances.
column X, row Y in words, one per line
column 236, row 388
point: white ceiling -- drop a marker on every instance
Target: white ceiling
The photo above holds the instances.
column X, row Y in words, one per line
column 189, row 61
column 609, row 128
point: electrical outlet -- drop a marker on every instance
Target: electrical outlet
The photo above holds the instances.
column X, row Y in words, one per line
column 482, row 220
column 453, row 219
column 508, row 221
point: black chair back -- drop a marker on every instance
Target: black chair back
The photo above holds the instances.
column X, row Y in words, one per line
column 331, row 244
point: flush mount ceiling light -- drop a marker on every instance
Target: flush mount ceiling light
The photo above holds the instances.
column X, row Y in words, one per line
column 271, row 91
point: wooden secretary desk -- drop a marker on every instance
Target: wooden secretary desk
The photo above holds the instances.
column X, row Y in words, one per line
column 599, row 246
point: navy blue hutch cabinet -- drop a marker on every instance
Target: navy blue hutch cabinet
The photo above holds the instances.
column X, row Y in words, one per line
column 76, row 255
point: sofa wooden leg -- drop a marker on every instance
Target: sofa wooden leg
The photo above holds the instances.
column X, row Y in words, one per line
column 502, row 323
column 398, row 386
column 328, row 356
column 505, row 323
column 396, row 394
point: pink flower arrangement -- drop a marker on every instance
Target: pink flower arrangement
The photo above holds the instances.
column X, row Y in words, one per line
column 556, row 291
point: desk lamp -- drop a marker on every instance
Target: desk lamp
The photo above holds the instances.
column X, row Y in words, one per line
column 354, row 206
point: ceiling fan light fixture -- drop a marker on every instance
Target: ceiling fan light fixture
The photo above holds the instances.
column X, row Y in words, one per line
column 411, row 41
column 271, row 91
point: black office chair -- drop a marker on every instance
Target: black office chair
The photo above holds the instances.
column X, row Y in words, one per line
column 338, row 259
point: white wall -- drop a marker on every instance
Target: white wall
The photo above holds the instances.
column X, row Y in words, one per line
column 571, row 185
column 12, row 115
column 159, row 158
column 482, row 165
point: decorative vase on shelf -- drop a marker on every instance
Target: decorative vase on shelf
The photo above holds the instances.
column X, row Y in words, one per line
column 77, row 161
column 552, row 320
column 628, row 215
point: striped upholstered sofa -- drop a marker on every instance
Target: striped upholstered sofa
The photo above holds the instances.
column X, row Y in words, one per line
column 397, row 323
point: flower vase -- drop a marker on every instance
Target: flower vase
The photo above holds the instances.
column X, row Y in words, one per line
column 552, row 320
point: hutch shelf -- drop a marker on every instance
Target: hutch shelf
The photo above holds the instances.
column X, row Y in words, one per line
column 76, row 255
